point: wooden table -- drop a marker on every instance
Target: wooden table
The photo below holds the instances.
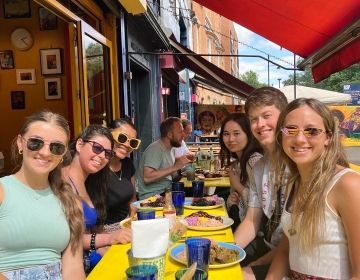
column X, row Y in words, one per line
column 223, row 182
column 115, row 261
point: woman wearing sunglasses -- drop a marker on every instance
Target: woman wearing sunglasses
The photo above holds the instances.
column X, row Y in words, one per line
column 88, row 173
column 322, row 211
column 121, row 190
column 41, row 224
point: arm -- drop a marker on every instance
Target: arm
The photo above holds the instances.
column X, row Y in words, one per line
column 280, row 265
column 72, row 264
column 120, row 236
column 235, row 183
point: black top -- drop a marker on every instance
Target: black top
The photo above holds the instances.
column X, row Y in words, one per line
column 120, row 192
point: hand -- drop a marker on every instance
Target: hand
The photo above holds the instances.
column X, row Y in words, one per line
column 233, row 199
column 190, row 156
column 180, row 162
column 121, row 236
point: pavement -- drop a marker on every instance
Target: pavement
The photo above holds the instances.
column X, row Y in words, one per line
column 353, row 154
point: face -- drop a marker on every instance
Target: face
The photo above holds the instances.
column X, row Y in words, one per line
column 207, row 124
column 304, row 151
column 235, row 139
column 176, row 135
column 43, row 161
column 122, row 150
column 187, row 131
column 90, row 161
column 263, row 121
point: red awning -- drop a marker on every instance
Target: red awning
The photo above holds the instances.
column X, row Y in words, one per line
column 302, row 27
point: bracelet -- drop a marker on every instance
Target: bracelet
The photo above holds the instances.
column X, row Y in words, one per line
column 92, row 242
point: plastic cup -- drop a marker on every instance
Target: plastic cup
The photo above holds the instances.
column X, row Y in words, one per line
column 190, row 172
column 177, row 186
column 159, row 262
column 198, row 250
column 178, row 199
column 145, row 214
column 199, row 274
column 198, row 188
column 142, row 272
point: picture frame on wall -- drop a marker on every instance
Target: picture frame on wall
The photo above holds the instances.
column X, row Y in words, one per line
column 47, row 20
column 17, row 100
column 51, row 61
column 7, row 59
column 25, row 76
column 16, row 9
column 52, row 88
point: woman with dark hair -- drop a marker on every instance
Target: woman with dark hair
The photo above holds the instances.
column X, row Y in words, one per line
column 121, row 190
column 239, row 151
column 87, row 173
column 41, row 224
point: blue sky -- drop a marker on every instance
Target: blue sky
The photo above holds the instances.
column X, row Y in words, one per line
column 259, row 65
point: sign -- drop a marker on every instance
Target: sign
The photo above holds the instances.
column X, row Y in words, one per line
column 354, row 91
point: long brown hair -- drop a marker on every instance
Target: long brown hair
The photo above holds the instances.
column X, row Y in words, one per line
column 61, row 190
column 308, row 207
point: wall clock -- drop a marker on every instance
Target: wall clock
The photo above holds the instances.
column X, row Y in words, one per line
column 21, row 39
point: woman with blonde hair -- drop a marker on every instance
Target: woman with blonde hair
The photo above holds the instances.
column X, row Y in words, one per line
column 41, row 224
column 322, row 211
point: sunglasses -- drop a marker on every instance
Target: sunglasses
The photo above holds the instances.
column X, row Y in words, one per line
column 36, row 144
column 98, row 149
column 308, row 132
column 122, row 138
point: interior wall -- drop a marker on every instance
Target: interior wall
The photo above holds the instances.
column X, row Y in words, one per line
column 12, row 119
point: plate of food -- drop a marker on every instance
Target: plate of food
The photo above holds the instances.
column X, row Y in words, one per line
column 204, row 203
column 209, row 176
column 222, row 254
column 201, row 220
column 157, row 202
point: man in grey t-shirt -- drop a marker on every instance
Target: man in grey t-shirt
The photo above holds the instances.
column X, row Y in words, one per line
column 158, row 161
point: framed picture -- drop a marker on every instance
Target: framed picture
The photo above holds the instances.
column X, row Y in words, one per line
column 16, row 8
column 17, row 100
column 47, row 20
column 6, row 60
column 51, row 61
column 53, row 88
column 25, row 76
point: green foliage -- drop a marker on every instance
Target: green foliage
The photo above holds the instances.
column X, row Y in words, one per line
column 251, row 78
column 335, row 82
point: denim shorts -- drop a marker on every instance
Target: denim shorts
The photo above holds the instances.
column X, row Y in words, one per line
column 41, row 272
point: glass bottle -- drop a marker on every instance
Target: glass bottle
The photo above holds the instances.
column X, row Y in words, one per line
column 169, row 211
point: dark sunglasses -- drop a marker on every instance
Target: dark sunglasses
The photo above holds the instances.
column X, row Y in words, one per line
column 35, row 144
column 308, row 132
column 98, row 149
column 122, row 138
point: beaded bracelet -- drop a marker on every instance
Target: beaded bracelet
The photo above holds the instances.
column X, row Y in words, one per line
column 92, row 242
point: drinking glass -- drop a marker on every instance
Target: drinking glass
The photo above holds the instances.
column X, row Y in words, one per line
column 198, row 188
column 198, row 250
column 199, row 274
column 177, row 186
column 142, row 272
column 145, row 214
column 178, row 199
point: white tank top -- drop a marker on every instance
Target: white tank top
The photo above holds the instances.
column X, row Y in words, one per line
column 330, row 258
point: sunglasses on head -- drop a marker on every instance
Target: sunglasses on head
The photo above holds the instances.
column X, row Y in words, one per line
column 122, row 138
column 308, row 132
column 36, row 144
column 98, row 149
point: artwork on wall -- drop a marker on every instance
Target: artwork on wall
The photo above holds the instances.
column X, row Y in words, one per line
column 17, row 100
column 25, row 76
column 16, row 8
column 51, row 61
column 7, row 60
column 52, row 88
column 47, row 20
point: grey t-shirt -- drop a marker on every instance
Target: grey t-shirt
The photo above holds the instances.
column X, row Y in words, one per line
column 156, row 156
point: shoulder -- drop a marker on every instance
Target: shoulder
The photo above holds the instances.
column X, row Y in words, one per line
column 1, row 192
column 253, row 159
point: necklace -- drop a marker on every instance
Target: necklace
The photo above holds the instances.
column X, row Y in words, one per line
column 117, row 176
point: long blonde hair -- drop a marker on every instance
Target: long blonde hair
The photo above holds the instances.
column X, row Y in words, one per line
column 308, row 208
column 61, row 190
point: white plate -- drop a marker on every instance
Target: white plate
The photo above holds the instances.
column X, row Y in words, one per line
column 188, row 201
column 227, row 222
column 137, row 205
column 177, row 251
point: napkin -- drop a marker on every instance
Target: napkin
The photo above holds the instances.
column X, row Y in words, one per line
column 149, row 238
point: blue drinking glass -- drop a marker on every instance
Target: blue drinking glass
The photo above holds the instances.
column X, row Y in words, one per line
column 177, row 186
column 199, row 274
column 198, row 250
column 145, row 214
column 142, row 272
column 198, row 188
column 178, row 199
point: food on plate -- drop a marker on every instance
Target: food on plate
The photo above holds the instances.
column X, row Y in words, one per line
column 203, row 219
column 206, row 201
column 153, row 201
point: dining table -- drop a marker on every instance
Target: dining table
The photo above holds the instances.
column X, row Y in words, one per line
column 223, row 182
column 115, row 261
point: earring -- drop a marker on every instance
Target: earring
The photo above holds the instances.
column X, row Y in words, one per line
column 20, row 152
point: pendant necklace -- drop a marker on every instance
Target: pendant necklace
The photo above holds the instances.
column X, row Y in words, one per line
column 117, row 176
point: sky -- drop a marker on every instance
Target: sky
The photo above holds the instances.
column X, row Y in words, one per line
column 259, row 65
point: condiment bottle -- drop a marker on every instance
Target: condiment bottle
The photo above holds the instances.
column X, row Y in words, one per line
column 169, row 211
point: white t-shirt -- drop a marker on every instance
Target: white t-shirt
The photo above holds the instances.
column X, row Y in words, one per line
column 182, row 150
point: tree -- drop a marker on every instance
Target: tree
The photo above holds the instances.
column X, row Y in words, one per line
column 251, row 78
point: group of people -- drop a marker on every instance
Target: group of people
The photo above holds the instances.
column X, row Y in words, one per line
column 293, row 198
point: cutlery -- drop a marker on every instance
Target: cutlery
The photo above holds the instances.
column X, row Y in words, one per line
column 202, row 235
